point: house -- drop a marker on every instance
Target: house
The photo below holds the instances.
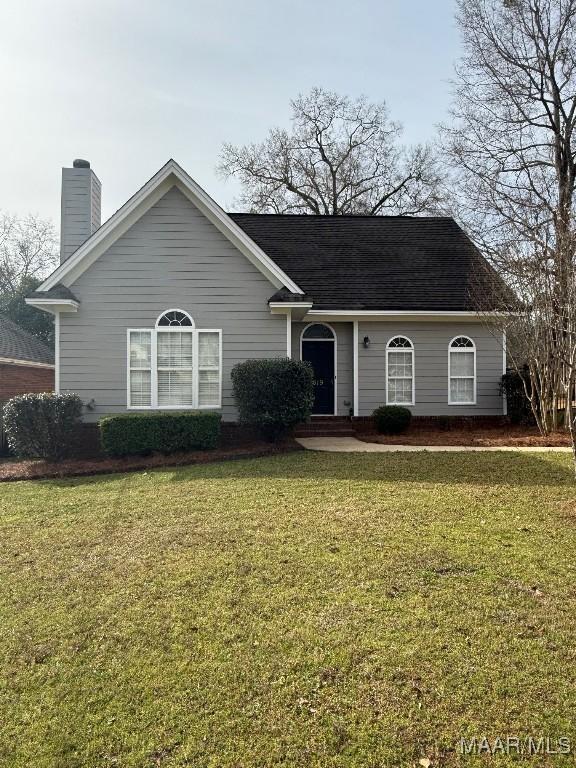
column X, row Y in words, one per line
column 26, row 363
column 155, row 307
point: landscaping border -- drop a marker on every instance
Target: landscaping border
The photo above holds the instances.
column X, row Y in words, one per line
column 41, row 470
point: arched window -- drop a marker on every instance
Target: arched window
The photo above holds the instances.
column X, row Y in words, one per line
column 174, row 365
column 318, row 331
column 174, row 318
column 461, row 371
column 400, row 371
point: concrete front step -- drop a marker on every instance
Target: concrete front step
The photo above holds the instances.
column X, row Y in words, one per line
column 327, row 435
column 328, row 428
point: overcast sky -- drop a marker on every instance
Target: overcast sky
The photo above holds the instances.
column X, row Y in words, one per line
column 128, row 85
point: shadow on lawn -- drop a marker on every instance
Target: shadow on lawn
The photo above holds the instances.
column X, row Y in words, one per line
column 480, row 469
column 484, row 469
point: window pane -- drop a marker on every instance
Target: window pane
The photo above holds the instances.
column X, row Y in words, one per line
column 400, row 341
column 462, row 341
column 400, row 390
column 462, row 363
column 175, row 388
column 174, row 350
column 400, row 364
column 140, row 388
column 140, row 344
column 462, row 390
column 318, row 331
column 174, row 318
column 208, row 350
column 208, row 388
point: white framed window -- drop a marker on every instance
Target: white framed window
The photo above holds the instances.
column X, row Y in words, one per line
column 174, row 365
column 400, row 371
column 461, row 371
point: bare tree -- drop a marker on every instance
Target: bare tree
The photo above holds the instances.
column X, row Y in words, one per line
column 512, row 146
column 342, row 156
column 28, row 250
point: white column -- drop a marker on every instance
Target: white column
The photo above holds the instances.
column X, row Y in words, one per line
column 57, row 352
column 355, row 366
column 504, row 401
column 289, row 334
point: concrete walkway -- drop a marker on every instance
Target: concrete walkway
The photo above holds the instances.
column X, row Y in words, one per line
column 352, row 445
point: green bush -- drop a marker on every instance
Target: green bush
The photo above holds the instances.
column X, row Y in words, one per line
column 142, row 433
column 392, row 419
column 42, row 425
column 273, row 395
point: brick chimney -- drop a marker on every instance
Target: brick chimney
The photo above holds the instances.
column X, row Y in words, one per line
column 81, row 192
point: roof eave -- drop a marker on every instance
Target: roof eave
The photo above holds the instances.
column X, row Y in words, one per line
column 347, row 315
column 54, row 306
column 24, row 362
column 171, row 174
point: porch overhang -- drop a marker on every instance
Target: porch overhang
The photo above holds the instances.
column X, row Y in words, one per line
column 354, row 315
column 296, row 309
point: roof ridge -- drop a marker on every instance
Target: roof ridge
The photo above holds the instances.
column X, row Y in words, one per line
column 331, row 217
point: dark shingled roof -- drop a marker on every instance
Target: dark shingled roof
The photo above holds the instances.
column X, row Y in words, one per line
column 18, row 344
column 59, row 291
column 376, row 262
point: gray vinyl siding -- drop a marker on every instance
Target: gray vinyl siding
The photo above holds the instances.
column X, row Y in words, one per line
column 173, row 257
column 344, row 370
column 80, row 208
column 430, row 342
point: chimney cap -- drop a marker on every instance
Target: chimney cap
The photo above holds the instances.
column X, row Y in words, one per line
column 81, row 163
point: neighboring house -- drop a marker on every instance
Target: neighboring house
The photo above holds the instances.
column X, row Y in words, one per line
column 155, row 307
column 26, row 363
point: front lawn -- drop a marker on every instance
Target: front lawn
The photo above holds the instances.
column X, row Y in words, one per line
column 303, row 610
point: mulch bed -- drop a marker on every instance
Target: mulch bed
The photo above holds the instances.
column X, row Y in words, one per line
column 13, row 469
column 506, row 436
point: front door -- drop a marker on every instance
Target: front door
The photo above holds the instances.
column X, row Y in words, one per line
column 320, row 354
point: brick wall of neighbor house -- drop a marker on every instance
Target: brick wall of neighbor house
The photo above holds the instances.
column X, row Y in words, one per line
column 20, row 379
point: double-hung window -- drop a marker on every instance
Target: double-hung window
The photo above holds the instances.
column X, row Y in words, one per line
column 461, row 371
column 400, row 371
column 174, row 364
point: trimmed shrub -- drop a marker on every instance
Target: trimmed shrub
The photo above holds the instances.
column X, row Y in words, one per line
column 166, row 432
column 42, row 425
column 273, row 395
column 392, row 419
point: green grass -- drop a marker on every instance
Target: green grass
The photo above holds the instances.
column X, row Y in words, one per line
column 303, row 610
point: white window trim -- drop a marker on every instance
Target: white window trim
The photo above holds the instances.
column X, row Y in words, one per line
column 179, row 327
column 335, row 341
column 401, row 349
column 154, row 368
column 450, row 377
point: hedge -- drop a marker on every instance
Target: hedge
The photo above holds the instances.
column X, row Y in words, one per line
column 42, row 425
column 274, row 394
column 392, row 419
column 165, row 432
